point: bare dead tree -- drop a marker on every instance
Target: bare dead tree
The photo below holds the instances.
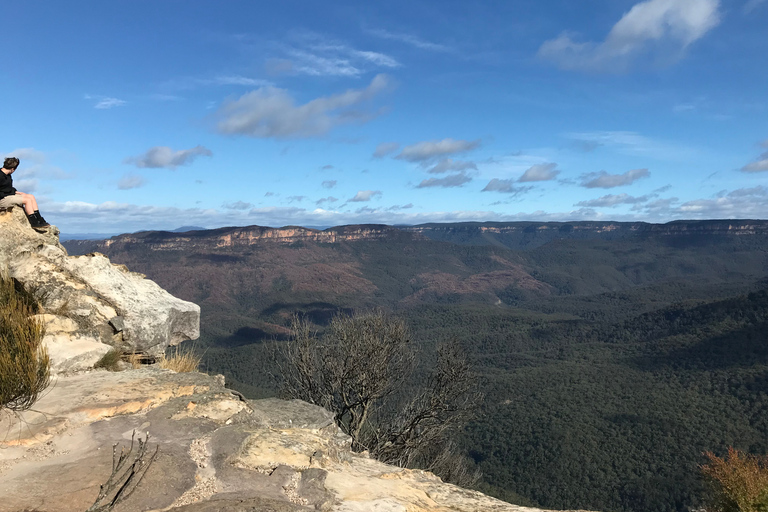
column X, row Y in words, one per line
column 358, row 370
column 359, row 361
column 426, row 422
column 128, row 470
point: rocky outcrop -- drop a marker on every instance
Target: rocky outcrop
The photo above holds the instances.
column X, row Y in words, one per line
column 91, row 305
column 217, row 452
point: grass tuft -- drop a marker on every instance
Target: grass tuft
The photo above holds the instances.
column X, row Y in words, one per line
column 24, row 362
column 110, row 361
column 180, row 360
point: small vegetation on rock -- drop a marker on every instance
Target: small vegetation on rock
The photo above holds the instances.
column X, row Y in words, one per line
column 361, row 369
column 739, row 481
column 24, row 363
column 110, row 361
column 180, row 361
column 128, row 470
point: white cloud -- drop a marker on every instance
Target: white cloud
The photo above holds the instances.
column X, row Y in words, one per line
column 761, row 164
column 385, row 148
column 604, row 180
column 427, row 150
column 130, row 181
column 740, row 203
column 272, row 112
column 454, row 180
column 164, row 157
column 612, row 200
column 329, row 183
column 505, row 187
column 450, row 165
column 365, row 195
column 540, row 172
column 409, row 39
column 758, row 166
column 668, row 26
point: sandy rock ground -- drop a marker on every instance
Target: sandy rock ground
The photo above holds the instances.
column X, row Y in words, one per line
column 217, row 452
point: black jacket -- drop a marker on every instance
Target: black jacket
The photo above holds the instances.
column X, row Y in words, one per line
column 6, row 185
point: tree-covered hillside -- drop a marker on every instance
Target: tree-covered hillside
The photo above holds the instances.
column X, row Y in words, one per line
column 608, row 366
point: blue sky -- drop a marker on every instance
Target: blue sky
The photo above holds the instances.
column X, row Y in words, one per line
column 133, row 114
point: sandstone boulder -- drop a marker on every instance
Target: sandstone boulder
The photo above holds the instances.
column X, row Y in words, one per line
column 91, row 304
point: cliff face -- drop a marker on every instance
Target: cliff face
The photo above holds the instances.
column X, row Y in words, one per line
column 217, row 452
column 529, row 235
column 242, row 237
column 90, row 305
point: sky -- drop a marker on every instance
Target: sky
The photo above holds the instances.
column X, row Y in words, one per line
column 134, row 115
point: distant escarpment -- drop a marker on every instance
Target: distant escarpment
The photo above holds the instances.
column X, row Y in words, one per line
column 233, row 237
column 530, row 235
column 512, row 235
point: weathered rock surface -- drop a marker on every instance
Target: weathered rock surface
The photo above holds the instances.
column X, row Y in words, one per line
column 217, row 452
column 91, row 304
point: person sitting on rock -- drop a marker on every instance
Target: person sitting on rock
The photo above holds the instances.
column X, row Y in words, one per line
column 9, row 196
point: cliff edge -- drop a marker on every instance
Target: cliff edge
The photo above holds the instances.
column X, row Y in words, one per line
column 90, row 305
column 217, row 452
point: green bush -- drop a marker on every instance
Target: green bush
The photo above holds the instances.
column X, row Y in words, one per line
column 24, row 363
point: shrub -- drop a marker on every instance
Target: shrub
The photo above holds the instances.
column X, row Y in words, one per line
column 24, row 363
column 739, row 481
column 180, row 361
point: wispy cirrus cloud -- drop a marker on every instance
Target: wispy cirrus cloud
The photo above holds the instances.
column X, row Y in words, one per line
column 751, row 5
column 612, row 200
column 271, row 112
column 189, row 82
column 165, row 157
column 604, row 180
column 631, row 143
column 105, row 102
column 409, row 39
column 131, row 181
column 385, row 148
column 667, row 27
column 313, row 54
column 238, row 206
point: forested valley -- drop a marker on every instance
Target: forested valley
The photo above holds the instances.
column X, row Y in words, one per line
column 607, row 366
